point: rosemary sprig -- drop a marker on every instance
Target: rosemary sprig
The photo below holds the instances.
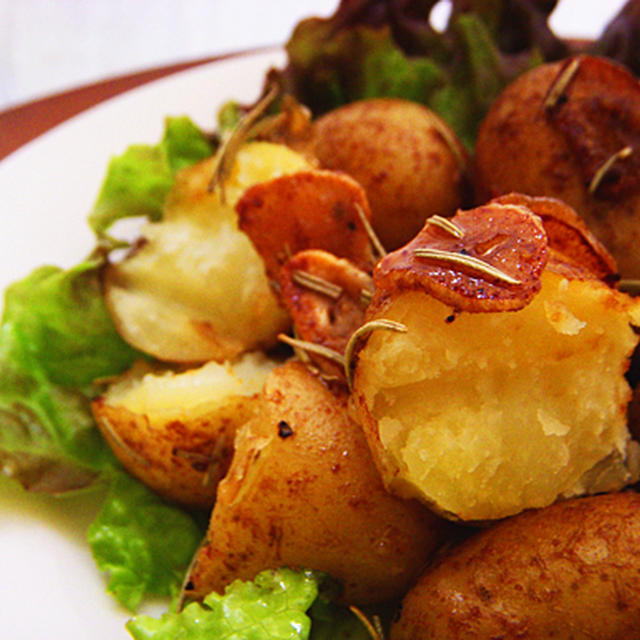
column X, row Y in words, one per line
column 365, row 297
column 316, row 283
column 451, row 143
column 447, row 225
column 225, row 156
column 469, row 262
column 632, row 287
column 122, row 444
column 561, row 83
column 373, row 325
column 312, row 347
column 374, row 629
column 623, row 153
column 373, row 237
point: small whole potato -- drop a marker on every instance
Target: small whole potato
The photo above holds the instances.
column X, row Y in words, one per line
column 408, row 160
column 302, row 491
column 570, row 130
column 569, row 571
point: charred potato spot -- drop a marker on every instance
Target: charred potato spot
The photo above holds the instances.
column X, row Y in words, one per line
column 175, row 431
column 302, row 491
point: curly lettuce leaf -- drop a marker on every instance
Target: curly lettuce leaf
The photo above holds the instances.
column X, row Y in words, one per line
column 56, row 337
column 330, row 70
column 279, row 604
column 138, row 180
column 272, row 607
column 376, row 49
column 63, row 320
column 48, row 440
column 142, row 543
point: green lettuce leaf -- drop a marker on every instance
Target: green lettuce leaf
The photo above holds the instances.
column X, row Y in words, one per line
column 144, row 544
column 62, row 317
column 56, row 337
column 272, row 607
column 138, row 180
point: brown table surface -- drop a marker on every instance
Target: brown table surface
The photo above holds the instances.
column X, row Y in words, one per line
column 20, row 124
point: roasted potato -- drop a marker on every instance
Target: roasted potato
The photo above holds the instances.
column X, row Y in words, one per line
column 194, row 288
column 569, row 571
column 175, row 431
column 302, row 491
column 408, row 160
column 571, row 130
column 506, row 389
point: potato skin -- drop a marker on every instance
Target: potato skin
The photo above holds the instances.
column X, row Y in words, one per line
column 180, row 459
column 173, row 430
column 409, row 162
column 519, row 149
column 302, row 491
column 569, row 571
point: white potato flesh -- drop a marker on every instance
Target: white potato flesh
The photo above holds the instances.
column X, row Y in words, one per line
column 190, row 393
column 195, row 288
column 493, row 413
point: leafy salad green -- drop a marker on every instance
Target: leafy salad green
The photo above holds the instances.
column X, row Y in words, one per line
column 58, row 343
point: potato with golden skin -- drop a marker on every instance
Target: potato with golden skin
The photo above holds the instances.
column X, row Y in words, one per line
column 570, row 572
column 303, row 491
column 174, row 431
column 408, row 160
column 570, row 130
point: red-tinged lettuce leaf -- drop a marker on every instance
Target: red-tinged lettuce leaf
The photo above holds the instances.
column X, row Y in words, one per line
column 56, row 337
column 373, row 48
column 48, row 440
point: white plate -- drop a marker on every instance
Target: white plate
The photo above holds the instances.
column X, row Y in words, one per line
column 50, row 587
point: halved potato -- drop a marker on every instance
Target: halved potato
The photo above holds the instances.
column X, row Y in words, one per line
column 303, row 491
column 194, row 289
column 175, row 431
column 483, row 408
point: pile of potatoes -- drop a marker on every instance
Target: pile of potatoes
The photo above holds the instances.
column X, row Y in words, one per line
column 380, row 344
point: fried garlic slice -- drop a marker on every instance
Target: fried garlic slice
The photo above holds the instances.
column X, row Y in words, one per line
column 306, row 210
column 326, row 298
